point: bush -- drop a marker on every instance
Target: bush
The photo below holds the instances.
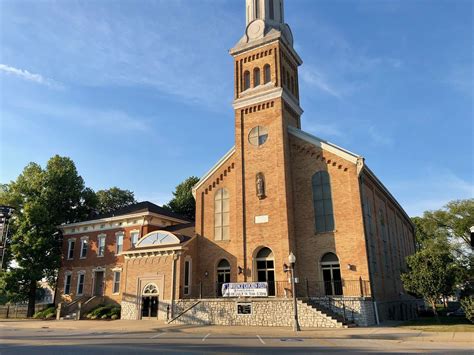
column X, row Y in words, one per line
column 467, row 305
column 47, row 313
column 104, row 312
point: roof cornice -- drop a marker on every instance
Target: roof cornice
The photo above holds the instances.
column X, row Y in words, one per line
column 330, row 147
column 213, row 170
column 121, row 217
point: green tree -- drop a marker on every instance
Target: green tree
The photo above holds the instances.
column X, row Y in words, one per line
column 43, row 199
column 457, row 217
column 433, row 272
column 112, row 199
column 183, row 201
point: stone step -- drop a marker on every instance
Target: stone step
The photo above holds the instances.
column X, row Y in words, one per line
column 329, row 314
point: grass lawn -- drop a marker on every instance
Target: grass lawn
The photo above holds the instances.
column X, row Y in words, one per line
column 441, row 324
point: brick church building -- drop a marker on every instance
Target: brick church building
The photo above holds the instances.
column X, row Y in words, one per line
column 279, row 190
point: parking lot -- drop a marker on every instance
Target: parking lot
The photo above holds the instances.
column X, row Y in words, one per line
column 125, row 337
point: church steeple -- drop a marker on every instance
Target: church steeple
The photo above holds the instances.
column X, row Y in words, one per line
column 264, row 20
column 266, row 64
column 270, row 11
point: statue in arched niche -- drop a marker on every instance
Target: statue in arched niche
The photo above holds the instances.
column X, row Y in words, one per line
column 260, row 185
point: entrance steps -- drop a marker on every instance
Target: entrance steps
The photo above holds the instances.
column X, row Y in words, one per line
column 322, row 309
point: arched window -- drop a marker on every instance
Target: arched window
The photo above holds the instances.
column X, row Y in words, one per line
column 322, row 202
column 246, row 80
column 293, row 85
column 221, row 214
column 223, row 275
column 256, row 77
column 150, row 289
column 267, row 77
column 331, row 274
column 265, row 265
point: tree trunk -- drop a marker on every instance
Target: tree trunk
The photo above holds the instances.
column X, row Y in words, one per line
column 433, row 306
column 31, row 299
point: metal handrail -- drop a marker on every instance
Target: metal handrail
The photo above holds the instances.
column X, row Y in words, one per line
column 183, row 312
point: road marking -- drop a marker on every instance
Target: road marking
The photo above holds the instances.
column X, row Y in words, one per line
column 261, row 340
column 206, row 337
column 157, row 335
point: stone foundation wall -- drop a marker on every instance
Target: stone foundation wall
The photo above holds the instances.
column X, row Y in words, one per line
column 268, row 313
column 397, row 310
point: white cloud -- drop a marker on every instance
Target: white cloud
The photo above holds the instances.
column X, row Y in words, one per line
column 433, row 189
column 110, row 119
column 322, row 129
column 313, row 77
column 378, row 138
column 26, row 75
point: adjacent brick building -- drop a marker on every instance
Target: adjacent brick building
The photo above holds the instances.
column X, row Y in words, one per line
column 279, row 190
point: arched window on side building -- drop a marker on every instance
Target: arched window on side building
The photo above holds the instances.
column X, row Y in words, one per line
column 221, row 214
column 322, row 202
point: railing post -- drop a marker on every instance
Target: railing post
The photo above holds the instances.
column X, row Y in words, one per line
column 200, row 290
column 58, row 311
column 8, row 310
column 79, row 307
column 344, row 309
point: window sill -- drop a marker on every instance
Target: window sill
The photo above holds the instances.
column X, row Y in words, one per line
column 83, row 257
column 222, row 240
column 100, row 256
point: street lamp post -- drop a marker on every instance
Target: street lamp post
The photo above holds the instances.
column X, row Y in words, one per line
column 292, row 260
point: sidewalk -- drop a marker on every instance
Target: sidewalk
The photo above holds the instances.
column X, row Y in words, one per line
column 128, row 326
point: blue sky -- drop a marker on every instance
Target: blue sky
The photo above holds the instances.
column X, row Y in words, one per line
column 139, row 93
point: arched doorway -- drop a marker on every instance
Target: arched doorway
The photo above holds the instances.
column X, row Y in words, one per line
column 223, row 275
column 150, row 301
column 331, row 274
column 265, row 265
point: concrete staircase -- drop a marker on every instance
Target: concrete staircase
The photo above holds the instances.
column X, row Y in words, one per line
column 326, row 311
column 76, row 309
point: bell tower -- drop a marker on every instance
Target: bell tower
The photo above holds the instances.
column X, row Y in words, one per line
column 265, row 61
column 266, row 102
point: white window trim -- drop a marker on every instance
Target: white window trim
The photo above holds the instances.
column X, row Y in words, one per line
column 66, row 274
column 102, row 235
column 130, row 234
column 79, row 273
column 117, row 236
column 188, row 286
column 115, row 271
column 84, row 239
column 69, row 242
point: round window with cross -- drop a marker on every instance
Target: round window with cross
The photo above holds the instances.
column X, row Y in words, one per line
column 258, row 136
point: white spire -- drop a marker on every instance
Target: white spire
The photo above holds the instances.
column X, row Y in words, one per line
column 270, row 11
column 265, row 22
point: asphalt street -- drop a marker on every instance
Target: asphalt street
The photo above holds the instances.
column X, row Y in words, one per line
column 47, row 340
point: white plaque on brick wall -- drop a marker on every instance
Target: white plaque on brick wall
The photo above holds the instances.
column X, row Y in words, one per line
column 261, row 219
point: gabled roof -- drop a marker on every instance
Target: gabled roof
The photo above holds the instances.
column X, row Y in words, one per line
column 213, row 169
column 323, row 144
